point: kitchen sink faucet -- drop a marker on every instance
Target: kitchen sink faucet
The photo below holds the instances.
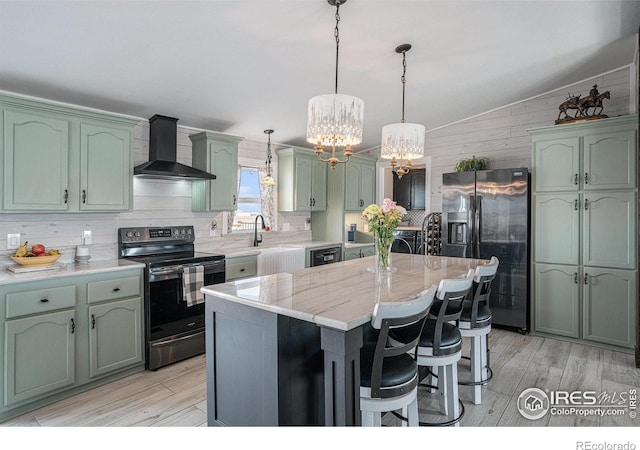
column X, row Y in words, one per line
column 257, row 240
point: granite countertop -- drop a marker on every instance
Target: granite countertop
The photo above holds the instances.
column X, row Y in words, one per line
column 73, row 269
column 342, row 295
column 409, row 228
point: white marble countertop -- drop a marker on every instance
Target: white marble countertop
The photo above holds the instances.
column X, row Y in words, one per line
column 341, row 295
column 8, row 277
column 409, row 228
column 299, row 244
column 357, row 244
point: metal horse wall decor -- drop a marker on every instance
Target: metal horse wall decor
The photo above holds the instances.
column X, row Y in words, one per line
column 582, row 106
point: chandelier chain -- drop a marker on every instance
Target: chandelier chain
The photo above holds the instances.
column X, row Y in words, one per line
column 403, row 79
column 336, row 33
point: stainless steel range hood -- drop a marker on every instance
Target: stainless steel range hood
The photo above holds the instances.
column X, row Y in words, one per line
column 162, row 153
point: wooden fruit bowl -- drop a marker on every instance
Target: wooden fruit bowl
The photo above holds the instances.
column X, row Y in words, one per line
column 36, row 260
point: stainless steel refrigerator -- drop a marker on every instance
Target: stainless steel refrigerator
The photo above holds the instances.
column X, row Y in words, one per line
column 485, row 214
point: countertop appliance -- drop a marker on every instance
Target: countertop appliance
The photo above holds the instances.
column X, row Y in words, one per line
column 325, row 256
column 173, row 330
column 485, row 214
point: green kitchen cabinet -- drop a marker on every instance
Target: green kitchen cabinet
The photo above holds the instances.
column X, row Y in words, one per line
column 585, row 229
column 302, row 181
column 360, row 184
column 36, row 161
column 105, row 168
column 64, row 159
column 238, row 267
column 609, row 306
column 40, row 355
column 115, row 337
column 217, row 154
column 594, row 155
column 557, row 305
column 609, row 237
column 67, row 333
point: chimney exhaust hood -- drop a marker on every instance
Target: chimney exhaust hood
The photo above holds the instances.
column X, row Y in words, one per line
column 162, row 153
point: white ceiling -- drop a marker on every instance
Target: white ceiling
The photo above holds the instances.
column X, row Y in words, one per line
column 242, row 66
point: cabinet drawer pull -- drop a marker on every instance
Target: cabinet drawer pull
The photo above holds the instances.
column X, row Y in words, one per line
column 84, row 196
column 242, row 270
column 116, row 289
column 44, row 300
column 73, row 326
column 575, row 179
column 586, row 278
column 234, row 199
column 66, row 195
column 575, row 277
column 586, row 178
column 575, row 204
column 93, row 321
column 586, row 204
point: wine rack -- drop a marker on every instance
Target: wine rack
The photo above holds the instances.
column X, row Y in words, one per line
column 431, row 235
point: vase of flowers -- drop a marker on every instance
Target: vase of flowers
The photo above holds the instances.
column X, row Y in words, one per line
column 382, row 221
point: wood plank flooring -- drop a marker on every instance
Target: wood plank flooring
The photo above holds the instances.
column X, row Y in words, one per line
column 175, row 396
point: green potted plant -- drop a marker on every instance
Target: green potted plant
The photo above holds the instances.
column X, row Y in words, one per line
column 472, row 164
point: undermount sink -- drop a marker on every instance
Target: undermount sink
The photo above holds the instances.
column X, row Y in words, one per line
column 279, row 259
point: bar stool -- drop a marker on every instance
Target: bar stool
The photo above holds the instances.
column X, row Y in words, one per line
column 475, row 323
column 388, row 373
column 440, row 345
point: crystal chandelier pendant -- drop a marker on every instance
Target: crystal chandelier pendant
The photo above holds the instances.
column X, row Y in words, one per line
column 402, row 142
column 335, row 120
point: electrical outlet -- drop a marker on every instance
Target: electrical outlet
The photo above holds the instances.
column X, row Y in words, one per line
column 86, row 237
column 13, row 241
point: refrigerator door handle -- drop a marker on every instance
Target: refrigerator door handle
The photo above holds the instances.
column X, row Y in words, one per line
column 477, row 224
column 471, row 228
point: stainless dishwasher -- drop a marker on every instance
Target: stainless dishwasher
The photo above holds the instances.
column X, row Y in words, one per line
column 325, row 256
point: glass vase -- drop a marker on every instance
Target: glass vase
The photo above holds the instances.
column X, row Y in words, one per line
column 382, row 256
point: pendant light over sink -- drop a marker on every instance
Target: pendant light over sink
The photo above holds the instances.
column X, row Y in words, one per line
column 335, row 120
column 402, row 142
column 268, row 179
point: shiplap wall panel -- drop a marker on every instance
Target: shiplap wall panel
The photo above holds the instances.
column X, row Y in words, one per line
column 501, row 135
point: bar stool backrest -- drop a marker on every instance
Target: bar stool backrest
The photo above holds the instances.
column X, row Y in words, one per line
column 481, row 292
column 409, row 313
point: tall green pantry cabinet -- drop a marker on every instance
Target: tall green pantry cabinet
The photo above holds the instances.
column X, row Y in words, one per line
column 585, row 226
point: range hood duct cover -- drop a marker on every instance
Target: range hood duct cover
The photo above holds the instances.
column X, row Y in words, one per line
column 162, row 153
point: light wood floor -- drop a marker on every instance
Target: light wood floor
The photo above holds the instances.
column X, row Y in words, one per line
column 176, row 395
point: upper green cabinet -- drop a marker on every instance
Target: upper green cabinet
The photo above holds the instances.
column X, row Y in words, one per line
column 36, row 161
column 217, row 154
column 302, row 181
column 60, row 159
column 585, row 156
column 360, row 183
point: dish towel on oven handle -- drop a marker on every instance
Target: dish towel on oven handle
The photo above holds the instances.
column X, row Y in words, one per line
column 192, row 282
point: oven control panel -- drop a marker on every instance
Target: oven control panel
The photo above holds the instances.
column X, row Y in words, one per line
column 156, row 234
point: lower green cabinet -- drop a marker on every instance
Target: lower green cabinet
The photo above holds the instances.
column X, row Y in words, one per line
column 590, row 303
column 115, row 337
column 238, row 267
column 39, row 355
column 63, row 334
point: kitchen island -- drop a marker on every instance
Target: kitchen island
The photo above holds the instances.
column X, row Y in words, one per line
column 284, row 349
